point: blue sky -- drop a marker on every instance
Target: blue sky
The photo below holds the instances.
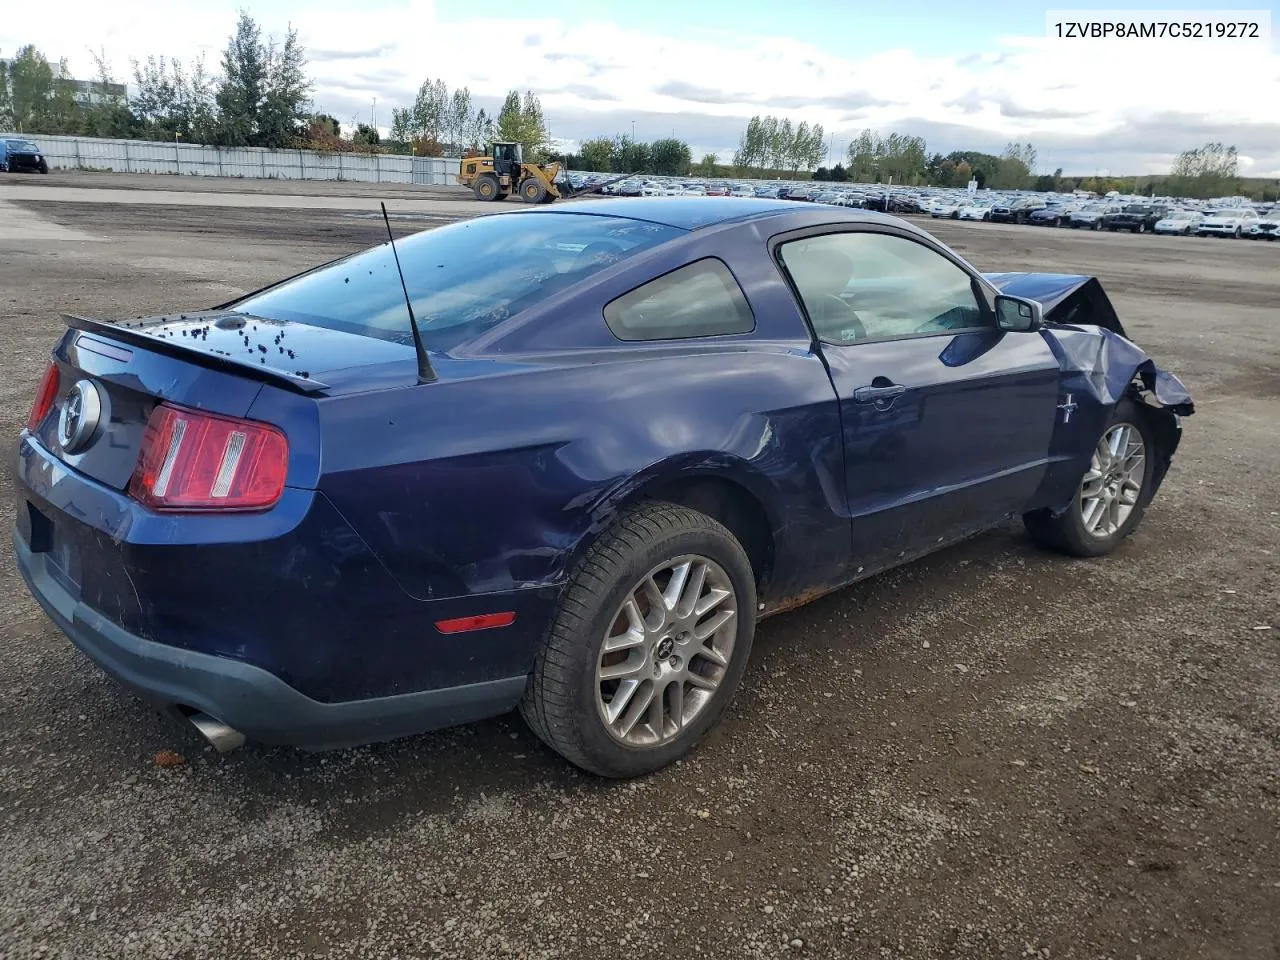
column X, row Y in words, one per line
column 963, row 77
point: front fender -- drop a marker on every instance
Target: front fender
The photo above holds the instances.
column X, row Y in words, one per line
column 1099, row 369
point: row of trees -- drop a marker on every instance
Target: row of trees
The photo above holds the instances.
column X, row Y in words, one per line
column 772, row 143
column 441, row 122
column 668, row 157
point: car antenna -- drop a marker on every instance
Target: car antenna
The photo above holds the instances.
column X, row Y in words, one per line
column 426, row 373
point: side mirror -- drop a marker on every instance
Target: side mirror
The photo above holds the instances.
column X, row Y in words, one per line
column 1016, row 315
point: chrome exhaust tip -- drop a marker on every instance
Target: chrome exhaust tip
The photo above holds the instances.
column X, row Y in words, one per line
column 221, row 737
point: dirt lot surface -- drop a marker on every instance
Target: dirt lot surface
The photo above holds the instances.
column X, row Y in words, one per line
column 994, row 752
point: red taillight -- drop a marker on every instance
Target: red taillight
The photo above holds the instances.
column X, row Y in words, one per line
column 192, row 460
column 46, row 394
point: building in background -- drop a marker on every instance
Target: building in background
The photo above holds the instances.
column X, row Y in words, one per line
column 84, row 92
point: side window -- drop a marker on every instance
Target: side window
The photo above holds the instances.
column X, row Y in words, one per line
column 861, row 286
column 699, row 300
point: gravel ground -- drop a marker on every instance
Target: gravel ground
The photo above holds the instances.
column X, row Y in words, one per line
column 994, row 752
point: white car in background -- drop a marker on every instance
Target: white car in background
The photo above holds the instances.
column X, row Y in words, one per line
column 1182, row 222
column 945, row 209
column 1226, row 222
column 975, row 211
column 1265, row 228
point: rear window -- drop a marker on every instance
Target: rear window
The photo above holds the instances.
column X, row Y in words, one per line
column 699, row 300
column 463, row 278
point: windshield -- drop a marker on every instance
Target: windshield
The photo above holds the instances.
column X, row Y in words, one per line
column 23, row 146
column 1183, row 215
column 463, row 278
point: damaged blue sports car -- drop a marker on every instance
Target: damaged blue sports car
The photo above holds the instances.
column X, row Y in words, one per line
column 561, row 460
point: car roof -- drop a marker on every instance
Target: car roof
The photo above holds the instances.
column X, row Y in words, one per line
column 691, row 213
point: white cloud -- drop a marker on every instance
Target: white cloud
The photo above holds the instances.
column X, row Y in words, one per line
column 1126, row 107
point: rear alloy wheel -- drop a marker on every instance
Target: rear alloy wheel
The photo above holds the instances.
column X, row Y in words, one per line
column 1113, row 492
column 649, row 643
column 532, row 190
column 487, row 187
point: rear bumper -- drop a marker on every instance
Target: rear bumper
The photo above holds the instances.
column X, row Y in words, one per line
column 252, row 700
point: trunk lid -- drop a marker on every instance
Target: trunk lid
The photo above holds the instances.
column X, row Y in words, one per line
column 112, row 375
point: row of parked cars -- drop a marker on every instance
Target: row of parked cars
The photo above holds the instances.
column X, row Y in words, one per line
column 1233, row 217
column 1229, row 217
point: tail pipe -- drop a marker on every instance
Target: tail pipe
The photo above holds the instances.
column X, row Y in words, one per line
column 221, row 737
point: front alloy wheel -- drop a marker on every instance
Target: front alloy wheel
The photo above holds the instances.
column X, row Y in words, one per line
column 1113, row 491
column 667, row 650
column 1113, row 483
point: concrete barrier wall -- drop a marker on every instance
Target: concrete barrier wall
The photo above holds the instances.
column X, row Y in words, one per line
column 194, row 159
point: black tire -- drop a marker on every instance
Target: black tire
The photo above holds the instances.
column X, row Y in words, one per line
column 532, row 190
column 560, row 701
column 487, row 187
column 1140, row 228
column 1066, row 533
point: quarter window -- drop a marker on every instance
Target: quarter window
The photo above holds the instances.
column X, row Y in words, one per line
column 864, row 286
column 699, row 300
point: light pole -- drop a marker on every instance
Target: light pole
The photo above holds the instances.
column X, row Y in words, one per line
column 633, row 131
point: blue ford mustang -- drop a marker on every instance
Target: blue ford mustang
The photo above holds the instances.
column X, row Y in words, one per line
column 606, row 439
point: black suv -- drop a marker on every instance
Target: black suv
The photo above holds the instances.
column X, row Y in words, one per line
column 1136, row 218
column 1016, row 211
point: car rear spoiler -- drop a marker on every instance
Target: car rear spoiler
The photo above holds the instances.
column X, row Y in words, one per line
column 138, row 337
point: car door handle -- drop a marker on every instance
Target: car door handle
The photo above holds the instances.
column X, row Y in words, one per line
column 874, row 394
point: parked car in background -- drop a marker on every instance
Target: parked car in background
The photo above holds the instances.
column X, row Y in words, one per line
column 975, row 210
column 620, row 433
column 1050, row 215
column 1134, row 217
column 1264, row 228
column 1226, row 222
column 21, row 156
column 1016, row 211
column 1089, row 217
column 1181, row 222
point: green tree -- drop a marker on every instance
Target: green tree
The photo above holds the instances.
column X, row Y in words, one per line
column 245, row 75
column 174, row 99
column 707, row 167
column 430, row 108
column 597, row 154
column 39, row 100
column 839, row 174
column 366, row 135
column 459, row 120
column 108, row 113
column 1208, row 171
column 401, row 124
column 521, row 121
column 670, row 157
column 822, row 173
column 287, row 97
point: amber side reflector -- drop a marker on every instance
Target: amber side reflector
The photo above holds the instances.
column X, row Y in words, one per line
column 484, row 621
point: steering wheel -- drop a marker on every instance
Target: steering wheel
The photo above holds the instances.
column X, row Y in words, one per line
column 845, row 319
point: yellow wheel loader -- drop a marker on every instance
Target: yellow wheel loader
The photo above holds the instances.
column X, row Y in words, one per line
column 503, row 172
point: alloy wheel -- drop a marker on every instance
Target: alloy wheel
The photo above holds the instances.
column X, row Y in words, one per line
column 666, row 651
column 1113, row 483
